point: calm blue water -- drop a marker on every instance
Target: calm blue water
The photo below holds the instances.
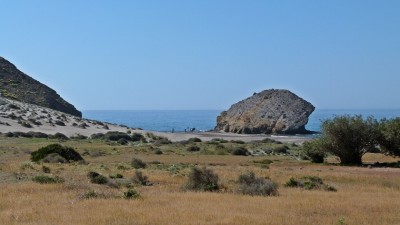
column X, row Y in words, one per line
column 203, row 120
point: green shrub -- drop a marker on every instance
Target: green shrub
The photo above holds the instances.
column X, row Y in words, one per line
column 194, row 140
column 268, row 140
column 122, row 141
column 97, row 136
column 280, row 149
column 314, row 150
column 131, row 194
column 202, row 179
column 54, row 158
column 115, row 136
column 138, row 163
column 238, row 142
column 309, row 183
column 141, row 179
column 59, row 136
column 89, row 194
column 193, row 148
column 249, row 184
column 240, row 151
column 158, row 152
column 138, row 137
column 97, row 178
column 38, row 134
column 46, row 169
column 67, row 153
column 42, row 179
column 79, row 137
column 117, row 176
column 162, row 141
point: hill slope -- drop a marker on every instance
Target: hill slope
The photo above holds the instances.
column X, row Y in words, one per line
column 16, row 85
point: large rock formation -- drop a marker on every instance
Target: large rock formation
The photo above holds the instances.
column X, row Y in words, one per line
column 16, row 85
column 270, row 111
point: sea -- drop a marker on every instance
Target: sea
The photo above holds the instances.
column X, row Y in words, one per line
column 205, row 120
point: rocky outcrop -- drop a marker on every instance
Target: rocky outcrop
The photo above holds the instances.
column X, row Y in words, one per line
column 267, row 112
column 16, row 85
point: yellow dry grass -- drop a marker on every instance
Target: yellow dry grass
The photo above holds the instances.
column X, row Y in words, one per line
column 364, row 196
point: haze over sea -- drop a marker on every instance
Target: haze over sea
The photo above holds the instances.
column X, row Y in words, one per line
column 204, row 120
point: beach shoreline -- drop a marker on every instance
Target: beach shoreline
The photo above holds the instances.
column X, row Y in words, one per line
column 17, row 116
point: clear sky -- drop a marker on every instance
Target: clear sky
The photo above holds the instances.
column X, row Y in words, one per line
column 208, row 54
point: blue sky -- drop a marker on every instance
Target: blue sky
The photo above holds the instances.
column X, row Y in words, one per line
column 338, row 54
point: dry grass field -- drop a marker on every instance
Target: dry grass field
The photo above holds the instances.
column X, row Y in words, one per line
column 364, row 195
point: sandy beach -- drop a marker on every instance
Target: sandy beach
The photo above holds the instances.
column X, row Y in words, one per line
column 22, row 117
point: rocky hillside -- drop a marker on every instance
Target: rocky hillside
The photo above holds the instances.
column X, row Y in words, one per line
column 16, row 85
column 270, row 111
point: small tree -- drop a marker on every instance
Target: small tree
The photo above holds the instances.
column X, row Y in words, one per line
column 349, row 137
column 390, row 136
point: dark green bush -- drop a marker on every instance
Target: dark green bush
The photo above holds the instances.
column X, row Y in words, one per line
column 42, row 179
column 280, row 149
column 122, row 141
column 117, row 176
column 97, row 178
column 141, row 179
column 194, row 140
column 314, row 150
column 67, row 153
column 162, row 141
column 268, row 140
column 240, row 151
column 138, row 137
column 249, row 184
column 46, row 169
column 238, row 142
column 115, row 136
column 309, row 183
column 79, row 137
column 131, row 194
column 97, row 136
column 59, row 136
column 193, row 148
column 138, row 163
column 202, row 179
column 89, row 194
column 158, row 152
column 38, row 134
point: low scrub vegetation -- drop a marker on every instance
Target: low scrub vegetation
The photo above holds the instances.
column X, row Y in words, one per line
column 67, row 153
column 138, row 163
column 249, row 184
column 309, row 183
column 202, row 179
column 131, row 194
column 97, row 178
column 43, row 179
column 141, row 179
